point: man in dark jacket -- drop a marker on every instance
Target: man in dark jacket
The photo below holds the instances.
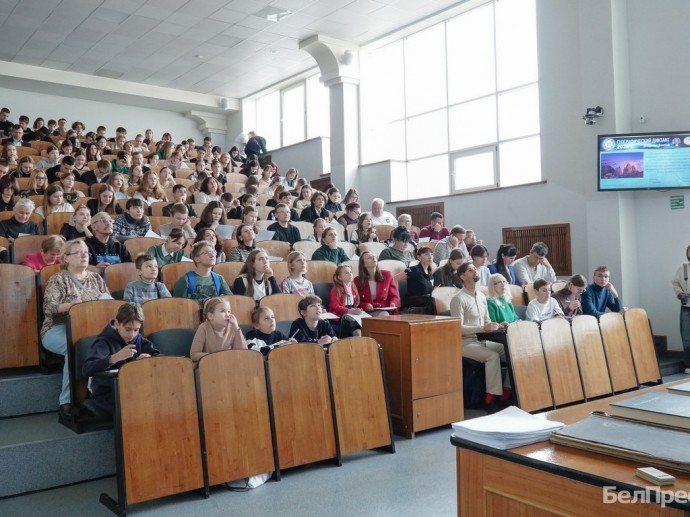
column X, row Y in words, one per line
column 118, row 344
column 255, row 145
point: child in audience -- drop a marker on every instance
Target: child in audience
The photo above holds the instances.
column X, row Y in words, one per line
column 296, row 282
column 201, row 283
column 210, row 190
column 333, row 204
column 543, row 307
column 246, row 243
column 256, row 278
column 264, row 336
column 211, row 217
column 48, row 254
column 345, row 300
column 179, row 196
column 319, row 226
column 53, row 202
column 68, row 191
column 146, row 288
column 180, row 219
column 229, row 203
column 166, row 178
column 310, row 328
column 172, row 250
column 118, row 344
column 290, row 180
column 304, row 199
column 104, row 200
column 329, row 249
column 78, row 227
column 136, row 175
column 210, row 236
column 149, row 190
column 119, row 184
column 9, row 189
column 133, row 223
column 219, row 331
column 37, row 184
column 365, row 231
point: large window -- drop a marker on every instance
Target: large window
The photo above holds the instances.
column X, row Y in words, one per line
column 294, row 114
column 457, row 101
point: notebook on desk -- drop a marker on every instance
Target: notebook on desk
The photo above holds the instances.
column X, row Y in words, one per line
column 655, row 407
column 651, row 445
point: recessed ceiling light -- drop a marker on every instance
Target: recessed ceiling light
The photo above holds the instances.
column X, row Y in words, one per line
column 199, row 56
column 273, row 13
column 274, row 51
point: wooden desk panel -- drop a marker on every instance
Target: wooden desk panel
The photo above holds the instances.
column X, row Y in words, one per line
column 423, row 361
column 562, row 470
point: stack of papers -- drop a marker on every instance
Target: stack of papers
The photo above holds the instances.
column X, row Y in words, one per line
column 506, row 429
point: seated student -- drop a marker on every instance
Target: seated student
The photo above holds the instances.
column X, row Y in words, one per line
column 179, row 196
column 180, row 220
column 48, row 254
column 219, row 331
column 420, row 283
column 37, row 184
column 264, row 336
column 51, row 160
column 303, row 201
column 499, row 301
column 406, row 221
column 256, row 278
column 19, row 223
column 98, row 175
column 25, row 166
column 133, row 223
column 351, row 215
column 104, row 201
column 120, row 185
column 118, row 344
column 9, row 190
column 146, row 288
column 344, row 300
column 454, row 241
column 69, row 193
column 365, row 231
column 277, row 191
column 505, row 256
column 250, row 215
column 283, row 230
column 78, row 227
column 166, row 178
column 319, row 226
column 480, row 258
column 377, row 288
column 398, row 251
column 534, row 266
column 211, row 217
column 543, row 307
column 103, row 249
column 316, row 209
column 172, row 250
column 245, row 200
column 569, row 297
column 447, row 274
column 246, row 243
column 601, row 295
column 210, row 190
column 201, row 283
column 296, row 282
column 210, row 236
column 150, row 190
column 310, row 328
column 329, row 249
column 333, row 204
column 435, row 230
column 53, row 202
column 290, row 179
column 229, row 203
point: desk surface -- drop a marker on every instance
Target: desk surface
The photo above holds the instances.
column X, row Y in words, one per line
column 588, row 467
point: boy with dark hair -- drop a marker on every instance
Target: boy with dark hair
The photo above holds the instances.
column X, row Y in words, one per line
column 310, row 328
column 118, row 344
column 146, row 288
column 180, row 196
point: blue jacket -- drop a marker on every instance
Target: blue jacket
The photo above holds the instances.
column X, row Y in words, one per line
column 595, row 300
column 494, row 269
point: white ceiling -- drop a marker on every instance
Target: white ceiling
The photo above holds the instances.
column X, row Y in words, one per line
column 215, row 47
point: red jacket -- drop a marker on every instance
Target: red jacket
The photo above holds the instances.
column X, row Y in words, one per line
column 337, row 305
column 386, row 292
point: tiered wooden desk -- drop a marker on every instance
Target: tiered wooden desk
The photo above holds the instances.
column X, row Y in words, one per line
column 423, row 364
column 548, row 479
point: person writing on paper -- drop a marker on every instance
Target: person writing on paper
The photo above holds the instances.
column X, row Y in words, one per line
column 681, row 288
column 543, row 307
column 601, row 295
column 264, row 336
column 73, row 284
column 310, row 328
column 505, row 256
column 377, row 288
column 172, row 250
column 256, row 278
column 534, row 266
column 499, row 301
column 296, row 282
column 219, row 331
column 119, row 343
column 569, row 297
column 282, row 229
column 344, row 301
column 470, row 306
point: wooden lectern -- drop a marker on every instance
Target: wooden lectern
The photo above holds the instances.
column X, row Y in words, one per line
column 423, row 363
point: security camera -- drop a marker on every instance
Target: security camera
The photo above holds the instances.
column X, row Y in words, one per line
column 592, row 114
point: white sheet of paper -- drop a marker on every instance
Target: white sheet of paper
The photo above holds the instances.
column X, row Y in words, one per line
column 264, row 235
column 151, row 233
column 186, row 259
column 424, row 239
column 225, row 231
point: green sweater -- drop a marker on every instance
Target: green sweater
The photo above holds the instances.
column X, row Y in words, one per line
column 501, row 311
column 337, row 255
column 162, row 258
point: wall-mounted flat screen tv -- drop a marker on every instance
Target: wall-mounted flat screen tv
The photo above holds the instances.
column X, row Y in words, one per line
column 651, row 161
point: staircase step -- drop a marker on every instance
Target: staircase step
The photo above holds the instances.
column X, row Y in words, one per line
column 28, row 392
column 670, row 365
column 36, row 453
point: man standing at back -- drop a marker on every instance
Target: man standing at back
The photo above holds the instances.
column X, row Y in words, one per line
column 255, row 145
column 601, row 295
column 470, row 306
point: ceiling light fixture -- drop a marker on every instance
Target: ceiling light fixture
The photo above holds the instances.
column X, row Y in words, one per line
column 273, row 14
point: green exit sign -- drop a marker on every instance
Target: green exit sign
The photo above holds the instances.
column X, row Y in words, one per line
column 677, row 202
